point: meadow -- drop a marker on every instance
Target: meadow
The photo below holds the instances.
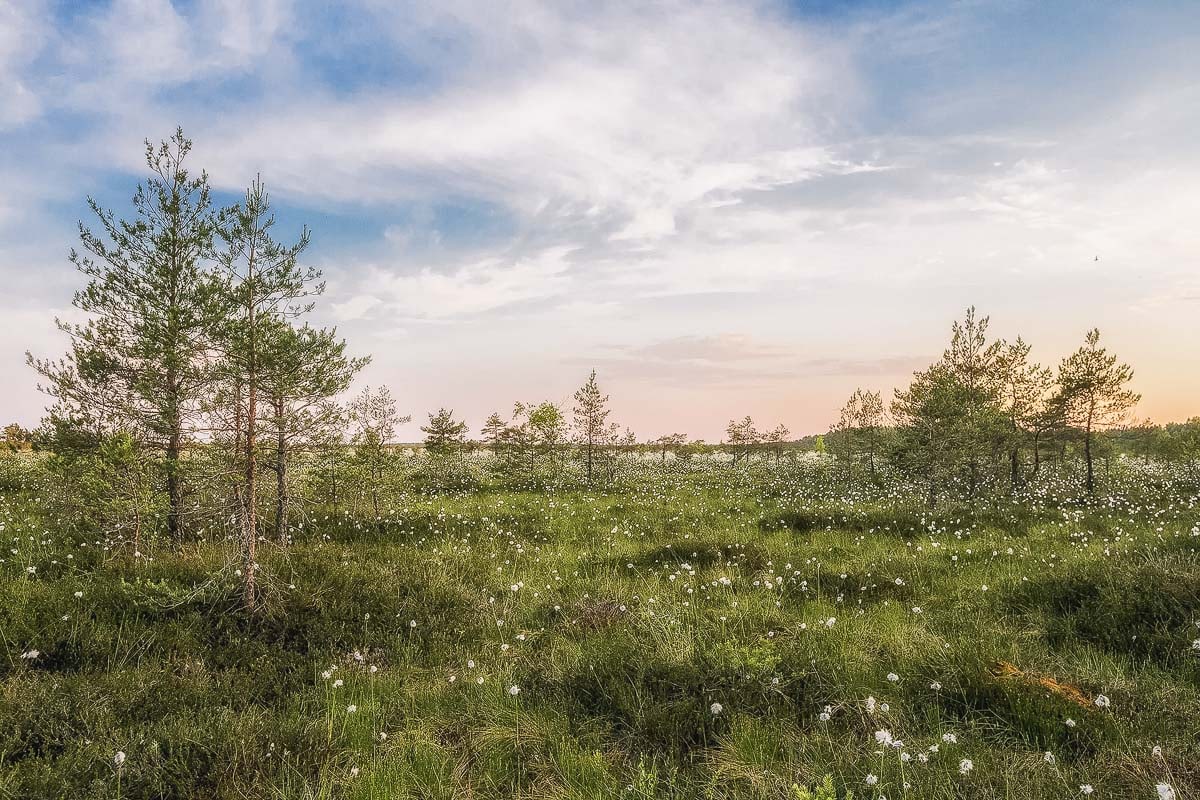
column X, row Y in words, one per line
column 690, row 630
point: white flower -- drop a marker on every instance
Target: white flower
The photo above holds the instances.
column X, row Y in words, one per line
column 1048, row 757
column 883, row 737
column 350, row 709
column 966, row 765
column 30, row 655
column 949, row 738
column 936, row 686
column 354, row 772
column 893, row 677
column 514, row 690
column 716, row 708
column 1086, row 788
column 1165, row 792
column 80, row 594
column 337, row 683
column 824, row 716
column 872, row 779
column 1156, row 751
column 1102, row 701
column 119, row 758
column 1070, row 723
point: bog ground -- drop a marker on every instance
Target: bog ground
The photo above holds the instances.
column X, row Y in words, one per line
column 692, row 631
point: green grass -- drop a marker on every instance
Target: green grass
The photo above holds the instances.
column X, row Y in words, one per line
column 633, row 613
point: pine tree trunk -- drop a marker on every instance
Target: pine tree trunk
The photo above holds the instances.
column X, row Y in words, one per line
column 250, row 520
column 250, row 527
column 1087, row 454
column 281, row 492
column 174, row 491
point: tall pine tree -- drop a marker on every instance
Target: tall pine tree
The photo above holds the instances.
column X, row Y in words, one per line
column 138, row 362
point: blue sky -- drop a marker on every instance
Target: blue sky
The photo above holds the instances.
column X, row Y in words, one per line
column 725, row 208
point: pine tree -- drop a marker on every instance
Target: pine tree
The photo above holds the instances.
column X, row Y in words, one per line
column 777, row 438
column 928, row 412
column 973, row 363
column 1024, row 387
column 375, row 419
column 138, row 362
column 1092, row 394
column 444, row 435
column 591, row 412
column 743, row 437
column 493, row 431
column 951, row 424
column 858, row 428
column 669, row 442
column 305, row 368
column 260, row 285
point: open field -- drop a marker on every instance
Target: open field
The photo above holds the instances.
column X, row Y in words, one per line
column 689, row 632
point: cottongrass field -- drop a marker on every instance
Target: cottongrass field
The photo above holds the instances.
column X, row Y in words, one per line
column 696, row 632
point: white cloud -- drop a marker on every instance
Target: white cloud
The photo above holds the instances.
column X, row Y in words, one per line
column 474, row 288
column 23, row 31
column 354, row 308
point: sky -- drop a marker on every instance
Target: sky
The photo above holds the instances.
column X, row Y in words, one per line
column 724, row 208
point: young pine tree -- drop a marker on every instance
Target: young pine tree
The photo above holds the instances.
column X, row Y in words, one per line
column 591, row 412
column 493, row 431
column 1024, row 387
column 374, row 416
column 444, row 435
column 1092, row 394
column 742, row 437
column 138, row 363
column 260, row 285
column 305, row 368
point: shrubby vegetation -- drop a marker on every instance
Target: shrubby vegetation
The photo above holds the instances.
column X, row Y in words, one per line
column 221, row 582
